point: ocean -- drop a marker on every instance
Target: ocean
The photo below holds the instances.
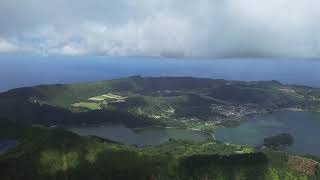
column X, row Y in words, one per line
column 20, row 71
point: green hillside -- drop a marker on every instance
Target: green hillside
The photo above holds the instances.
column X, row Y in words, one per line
column 142, row 101
column 49, row 153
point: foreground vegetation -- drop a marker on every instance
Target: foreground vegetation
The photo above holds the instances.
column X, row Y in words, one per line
column 51, row 153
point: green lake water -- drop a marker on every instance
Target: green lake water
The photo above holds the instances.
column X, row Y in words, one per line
column 303, row 126
column 141, row 137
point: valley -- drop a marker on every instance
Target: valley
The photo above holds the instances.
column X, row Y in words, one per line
column 128, row 120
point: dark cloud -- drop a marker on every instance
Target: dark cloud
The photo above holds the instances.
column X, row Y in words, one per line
column 202, row 28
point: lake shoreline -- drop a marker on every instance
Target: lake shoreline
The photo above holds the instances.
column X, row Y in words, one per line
column 303, row 125
column 143, row 136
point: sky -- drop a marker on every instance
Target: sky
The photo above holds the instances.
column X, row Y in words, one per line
column 172, row 28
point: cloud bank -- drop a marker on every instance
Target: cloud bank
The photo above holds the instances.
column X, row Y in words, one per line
column 202, row 28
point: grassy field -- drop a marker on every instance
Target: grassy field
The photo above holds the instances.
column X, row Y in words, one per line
column 98, row 102
column 88, row 105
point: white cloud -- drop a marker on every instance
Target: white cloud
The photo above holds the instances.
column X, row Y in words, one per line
column 67, row 50
column 6, row 46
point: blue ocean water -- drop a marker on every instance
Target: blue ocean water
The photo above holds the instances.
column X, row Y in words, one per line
column 19, row 71
column 5, row 145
